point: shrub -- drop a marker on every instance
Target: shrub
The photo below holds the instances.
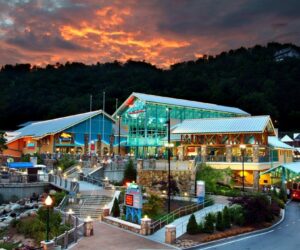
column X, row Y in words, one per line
column 200, row 227
column 237, row 215
column 192, row 227
column 66, row 162
column 14, row 198
column 58, row 197
column 219, row 222
column 115, row 211
column 209, row 223
column 226, row 217
column 257, row 208
column 1, row 199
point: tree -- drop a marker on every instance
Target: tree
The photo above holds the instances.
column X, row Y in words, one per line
column 192, row 227
column 209, row 223
column 153, row 206
column 220, row 223
column 130, row 172
column 211, row 176
column 2, row 143
column 115, row 211
column 226, row 217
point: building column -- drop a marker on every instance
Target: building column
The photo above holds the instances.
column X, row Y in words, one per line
column 256, row 180
column 255, row 153
column 203, row 153
column 228, row 153
column 88, row 228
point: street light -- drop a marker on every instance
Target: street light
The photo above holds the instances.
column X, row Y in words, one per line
column 119, row 146
column 169, row 146
column 48, row 203
column 243, row 149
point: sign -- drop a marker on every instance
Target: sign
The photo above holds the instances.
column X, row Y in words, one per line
column 30, row 145
column 133, row 196
column 129, row 200
column 200, row 191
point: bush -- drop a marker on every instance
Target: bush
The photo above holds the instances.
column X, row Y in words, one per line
column 1, row 199
column 226, row 217
column 257, row 208
column 237, row 215
column 219, row 222
column 115, row 211
column 192, row 227
column 66, row 162
column 209, row 223
column 14, row 198
column 200, row 227
column 58, row 197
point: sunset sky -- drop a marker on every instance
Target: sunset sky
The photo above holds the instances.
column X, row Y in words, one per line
column 161, row 32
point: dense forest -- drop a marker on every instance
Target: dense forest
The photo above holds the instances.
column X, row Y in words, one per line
column 246, row 78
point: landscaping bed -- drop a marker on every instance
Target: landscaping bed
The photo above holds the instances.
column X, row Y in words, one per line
column 188, row 240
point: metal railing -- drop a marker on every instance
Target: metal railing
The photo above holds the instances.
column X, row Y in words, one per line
column 22, row 178
column 91, row 180
column 182, row 211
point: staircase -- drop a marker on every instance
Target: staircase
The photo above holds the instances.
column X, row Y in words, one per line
column 90, row 205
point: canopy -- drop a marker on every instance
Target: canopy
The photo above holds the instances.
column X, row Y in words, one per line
column 20, row 165
column 292, row 166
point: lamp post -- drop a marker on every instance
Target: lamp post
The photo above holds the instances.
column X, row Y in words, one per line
column 169, row 145
column 48, row 203
column 243, row 149
column 119, row 146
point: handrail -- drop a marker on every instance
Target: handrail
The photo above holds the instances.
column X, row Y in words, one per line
column 158, row 224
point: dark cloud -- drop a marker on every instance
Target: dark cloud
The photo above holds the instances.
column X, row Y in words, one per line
column 162, row 32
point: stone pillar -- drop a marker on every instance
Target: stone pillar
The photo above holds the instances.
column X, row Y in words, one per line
column 203, row 153
column 256, row 180
column 47, row 245
column 105, row 211
column 145, row 226
column 88, row 228
column 228, row 153
column 69, row 216
column 170, row 235
column 139, row 164
column 255, row 153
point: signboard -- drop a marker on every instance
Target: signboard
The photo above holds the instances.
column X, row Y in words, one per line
column 129, row 200
column 30, row 145
column 200, row 191
column 133, row 197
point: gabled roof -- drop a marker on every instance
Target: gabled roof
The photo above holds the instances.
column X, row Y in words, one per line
column 276, row 143
column 286, row 138
column 232, row 125
column 181, row 102
column 53, row 126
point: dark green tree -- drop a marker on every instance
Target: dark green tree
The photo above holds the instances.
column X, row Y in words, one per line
column 219, row 222
column 209, row 223
column 115, row 211
column 192, row 226
column 2, row 143
column 130, row 172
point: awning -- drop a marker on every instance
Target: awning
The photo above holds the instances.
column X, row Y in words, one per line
column 20, row 165
column 292, row 166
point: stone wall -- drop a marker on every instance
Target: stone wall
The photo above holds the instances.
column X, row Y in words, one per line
column 122, row 224
column 150, row 178
column 21, row 190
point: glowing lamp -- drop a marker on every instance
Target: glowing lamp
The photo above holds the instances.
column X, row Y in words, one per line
column 48, row 201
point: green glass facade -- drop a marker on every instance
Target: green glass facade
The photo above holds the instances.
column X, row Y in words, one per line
column 146, row 123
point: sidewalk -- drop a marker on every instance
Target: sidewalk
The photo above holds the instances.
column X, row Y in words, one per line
column 182, row 222
column 109, row 237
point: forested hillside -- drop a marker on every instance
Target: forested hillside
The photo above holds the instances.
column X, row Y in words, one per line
column 246, row 78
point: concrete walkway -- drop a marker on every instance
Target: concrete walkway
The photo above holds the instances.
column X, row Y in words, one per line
column 109, row 237
column 182, row 222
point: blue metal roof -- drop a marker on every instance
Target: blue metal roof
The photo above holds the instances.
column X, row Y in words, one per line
column 276, row 143
column 20, row 165
column 187, row 103
column 225, row 125
column 40, row 129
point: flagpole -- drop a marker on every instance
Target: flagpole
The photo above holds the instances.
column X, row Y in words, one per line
column 103, row 116
column 90, row 139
